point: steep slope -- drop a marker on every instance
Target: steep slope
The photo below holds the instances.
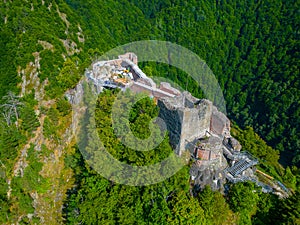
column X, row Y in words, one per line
column 39, row 41
column 45, row 47
column 253, row 49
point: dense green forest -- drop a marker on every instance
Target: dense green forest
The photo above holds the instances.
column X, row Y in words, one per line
column 169, row 202
column 96, row 200
column 252, row 48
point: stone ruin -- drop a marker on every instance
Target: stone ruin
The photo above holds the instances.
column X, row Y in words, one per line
column 186, row 117
column 195, row 126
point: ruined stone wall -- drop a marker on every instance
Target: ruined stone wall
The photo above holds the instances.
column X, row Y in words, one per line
column 187, row 118
column 131, row 56
column 173, row 120
column 220, row 124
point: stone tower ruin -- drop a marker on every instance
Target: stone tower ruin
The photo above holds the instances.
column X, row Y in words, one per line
column 186, row 118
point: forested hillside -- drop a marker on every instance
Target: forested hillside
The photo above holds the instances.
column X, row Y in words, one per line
column 169, row 202
column 252, row 48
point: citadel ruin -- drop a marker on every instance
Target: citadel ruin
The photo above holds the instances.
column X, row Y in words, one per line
column 195, row 126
